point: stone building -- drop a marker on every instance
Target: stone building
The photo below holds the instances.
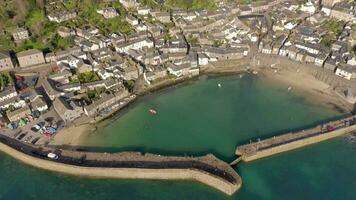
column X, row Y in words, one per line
column 30, row 57
column 67, row 109
column 5, row 61
column 20, row 34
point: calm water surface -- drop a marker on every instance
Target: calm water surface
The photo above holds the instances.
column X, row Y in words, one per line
column 198, row 118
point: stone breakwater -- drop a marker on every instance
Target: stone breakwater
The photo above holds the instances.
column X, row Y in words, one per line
column 127, row 165
column 290, row 141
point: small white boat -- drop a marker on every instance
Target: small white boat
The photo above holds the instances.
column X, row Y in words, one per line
column 219, row 85
column 153, row 111
column 289, row 88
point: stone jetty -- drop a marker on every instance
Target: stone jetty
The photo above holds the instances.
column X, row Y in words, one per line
column 207, row 169
column 289, row 141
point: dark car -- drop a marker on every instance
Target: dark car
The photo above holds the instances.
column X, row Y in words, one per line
column 49, row 119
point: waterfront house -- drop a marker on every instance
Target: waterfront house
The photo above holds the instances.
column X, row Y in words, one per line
column 203, row 59
column 330, row 64
column 30, row 58
column 182, row 70
column 292, row 52
column 104, row 102
column 346, row 71
column 220, row 53
column 68, row 110
column 5, row 61
column 321, row 58
column 309, row 58
column 301, row 54
column 283, row 51
column 311, row 48
column 159, row 72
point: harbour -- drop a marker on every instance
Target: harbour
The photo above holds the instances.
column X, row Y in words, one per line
column 223, row 147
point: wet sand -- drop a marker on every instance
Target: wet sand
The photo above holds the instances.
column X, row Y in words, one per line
column 72, row 135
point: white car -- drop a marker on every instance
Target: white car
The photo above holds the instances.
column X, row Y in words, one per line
column 52, row 156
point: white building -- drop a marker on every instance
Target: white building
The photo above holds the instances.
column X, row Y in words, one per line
column 135, row 45
column 308, row 8
column 108, row 13
column 203, row 59
column 8, row 93
column 143, row 10
column 346, row 71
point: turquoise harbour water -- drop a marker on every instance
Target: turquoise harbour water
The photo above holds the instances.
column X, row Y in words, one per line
column 198, row 118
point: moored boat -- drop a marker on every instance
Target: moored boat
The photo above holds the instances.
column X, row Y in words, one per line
column 153, row 111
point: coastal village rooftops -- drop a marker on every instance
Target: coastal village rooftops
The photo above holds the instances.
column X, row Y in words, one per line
column 102, row 100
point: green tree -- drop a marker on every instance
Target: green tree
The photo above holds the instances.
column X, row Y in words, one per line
column 87, row 77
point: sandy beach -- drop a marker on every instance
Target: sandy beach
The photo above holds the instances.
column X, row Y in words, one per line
column 73, row 136
column 299, row 78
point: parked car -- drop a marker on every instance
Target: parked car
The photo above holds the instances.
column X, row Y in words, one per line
column 36, row 128
column 52, row 156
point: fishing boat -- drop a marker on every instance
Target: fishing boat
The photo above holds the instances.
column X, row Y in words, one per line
column 219, row 85
column 153, row 111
